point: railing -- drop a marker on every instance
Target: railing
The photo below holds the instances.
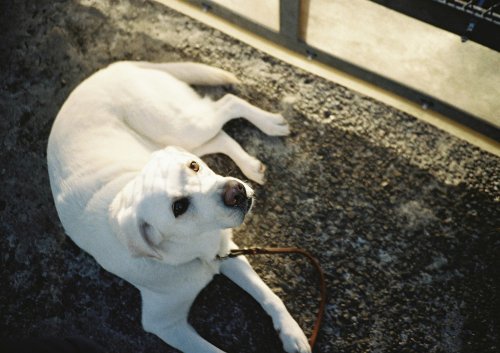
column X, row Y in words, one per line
column 293, row 21
column 476, row 20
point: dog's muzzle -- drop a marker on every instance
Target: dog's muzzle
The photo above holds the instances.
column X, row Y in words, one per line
column 235, row 195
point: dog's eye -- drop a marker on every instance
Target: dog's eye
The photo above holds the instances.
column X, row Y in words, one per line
column 180, row 206
column 194, row 166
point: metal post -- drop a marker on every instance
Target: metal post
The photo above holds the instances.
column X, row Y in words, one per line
column 290, row 19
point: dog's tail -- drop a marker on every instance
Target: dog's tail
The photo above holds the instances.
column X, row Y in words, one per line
column 193, row 73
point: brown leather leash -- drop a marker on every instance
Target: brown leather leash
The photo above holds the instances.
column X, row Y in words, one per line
column 312, row 260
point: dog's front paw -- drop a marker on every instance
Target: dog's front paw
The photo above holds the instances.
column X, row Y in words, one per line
column 275, row 125
column 293, row 338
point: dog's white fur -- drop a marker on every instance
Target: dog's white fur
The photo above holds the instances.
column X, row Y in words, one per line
column 118, row 157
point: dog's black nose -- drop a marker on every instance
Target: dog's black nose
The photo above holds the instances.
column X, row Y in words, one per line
column 235, row 194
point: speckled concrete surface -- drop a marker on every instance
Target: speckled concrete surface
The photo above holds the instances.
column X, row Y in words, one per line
column 403, row 217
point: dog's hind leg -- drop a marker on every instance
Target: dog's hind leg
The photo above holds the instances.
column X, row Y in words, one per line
column 223, row 143
column 231, row 106
column 192, row 73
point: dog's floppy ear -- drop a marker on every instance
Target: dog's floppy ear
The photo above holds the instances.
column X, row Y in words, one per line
column 136, row 234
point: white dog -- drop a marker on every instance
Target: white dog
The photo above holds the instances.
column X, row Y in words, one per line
column 131, row 190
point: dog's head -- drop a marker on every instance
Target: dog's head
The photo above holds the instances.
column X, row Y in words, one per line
column 173, row 208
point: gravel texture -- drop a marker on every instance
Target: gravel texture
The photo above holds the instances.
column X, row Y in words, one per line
column 404, row 218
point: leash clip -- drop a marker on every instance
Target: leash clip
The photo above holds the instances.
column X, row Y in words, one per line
column 239, row 252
